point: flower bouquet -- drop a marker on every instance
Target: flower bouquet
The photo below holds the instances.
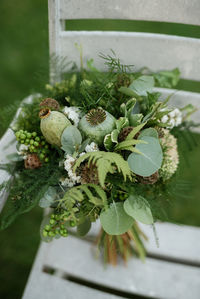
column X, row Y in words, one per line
column 97, row 146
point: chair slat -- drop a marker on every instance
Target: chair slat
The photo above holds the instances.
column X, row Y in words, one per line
column 178, row 11
column 45, row 286
column 73, row 256
column 155, row 51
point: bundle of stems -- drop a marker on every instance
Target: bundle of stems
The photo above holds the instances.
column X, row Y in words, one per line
column 115, row 247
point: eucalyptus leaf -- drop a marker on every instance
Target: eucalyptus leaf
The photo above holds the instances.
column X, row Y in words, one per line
column 114, row 220
column 71, row 139
column 149, row 132
column 150, row 159
column 128, row 91
column 83, row 145
column 14, row 157
column 136, row 109
column 142, row 85
column 84, row 227
column 49, row 197
column 138, row 207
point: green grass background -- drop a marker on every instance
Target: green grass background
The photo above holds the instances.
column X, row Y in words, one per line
column 23, row 62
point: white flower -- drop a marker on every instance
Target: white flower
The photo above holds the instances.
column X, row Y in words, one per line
column 164, row 119
column 172, row 119
column 65, row 182
column 73, row 178
column 69, row 162
column 92, row 147
column 73, row 113
column 23, row 149
column 81, row 154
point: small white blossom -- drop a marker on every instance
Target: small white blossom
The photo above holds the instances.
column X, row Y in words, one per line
column 81, row 154
column 172, row 119
column 69, row 162
column 65, row 182
column 92, row 147
column 23, row 149
column 73, row 113
column 73, row 178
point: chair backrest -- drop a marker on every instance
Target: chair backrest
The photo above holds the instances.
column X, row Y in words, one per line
column 156, row 51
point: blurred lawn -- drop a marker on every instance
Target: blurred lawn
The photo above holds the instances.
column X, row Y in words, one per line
column 24, row 61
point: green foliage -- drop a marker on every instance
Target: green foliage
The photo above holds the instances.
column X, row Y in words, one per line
column 84, row 227
column 94, row 194
column 114, row 220
column 149, row 132
column 71, row 139
column 138, row 208
column 139, row 87
column 28, row 118
column 28, row 188
column 114, row 64
column 49, row 197
column 167, row 79
column 106, row 163
column 150, row 158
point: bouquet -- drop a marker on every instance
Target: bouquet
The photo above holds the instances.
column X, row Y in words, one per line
column 97, row 146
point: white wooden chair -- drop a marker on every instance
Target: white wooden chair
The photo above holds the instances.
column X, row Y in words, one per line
column 66, row 268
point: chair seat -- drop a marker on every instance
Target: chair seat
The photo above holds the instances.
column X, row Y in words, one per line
column 67, row 268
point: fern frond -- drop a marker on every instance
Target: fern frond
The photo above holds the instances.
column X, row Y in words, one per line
column 78, row 193
column 135, row 130
column 105, row 162
column 127, row 143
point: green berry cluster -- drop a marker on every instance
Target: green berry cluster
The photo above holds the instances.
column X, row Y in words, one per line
column 37, row 144
column 57, row 225
column 121, row 196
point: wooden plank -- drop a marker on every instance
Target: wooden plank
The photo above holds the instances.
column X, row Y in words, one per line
column 44, row 286
column 73, row 257
column 155, row 51
column 55, row 26
column 178, row 11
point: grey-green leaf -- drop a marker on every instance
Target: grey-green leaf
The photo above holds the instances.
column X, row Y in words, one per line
column 150, row 159
column 142, row 85
column 114, row 220
column 149, row 132
column 48, row 198
column 14, row 157
column 83, row 228
column 138, row 207
column 71, row 139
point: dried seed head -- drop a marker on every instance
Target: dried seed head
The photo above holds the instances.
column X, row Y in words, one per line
column 96, row 116
column 50, row 103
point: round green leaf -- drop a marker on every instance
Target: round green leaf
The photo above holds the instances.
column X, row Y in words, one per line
column 84, row 227
column 114, row 220
column 149, row 132
column 138, row 207
column 150, row 158
column 71, row 139
column 142, row 85
column 49, row 197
